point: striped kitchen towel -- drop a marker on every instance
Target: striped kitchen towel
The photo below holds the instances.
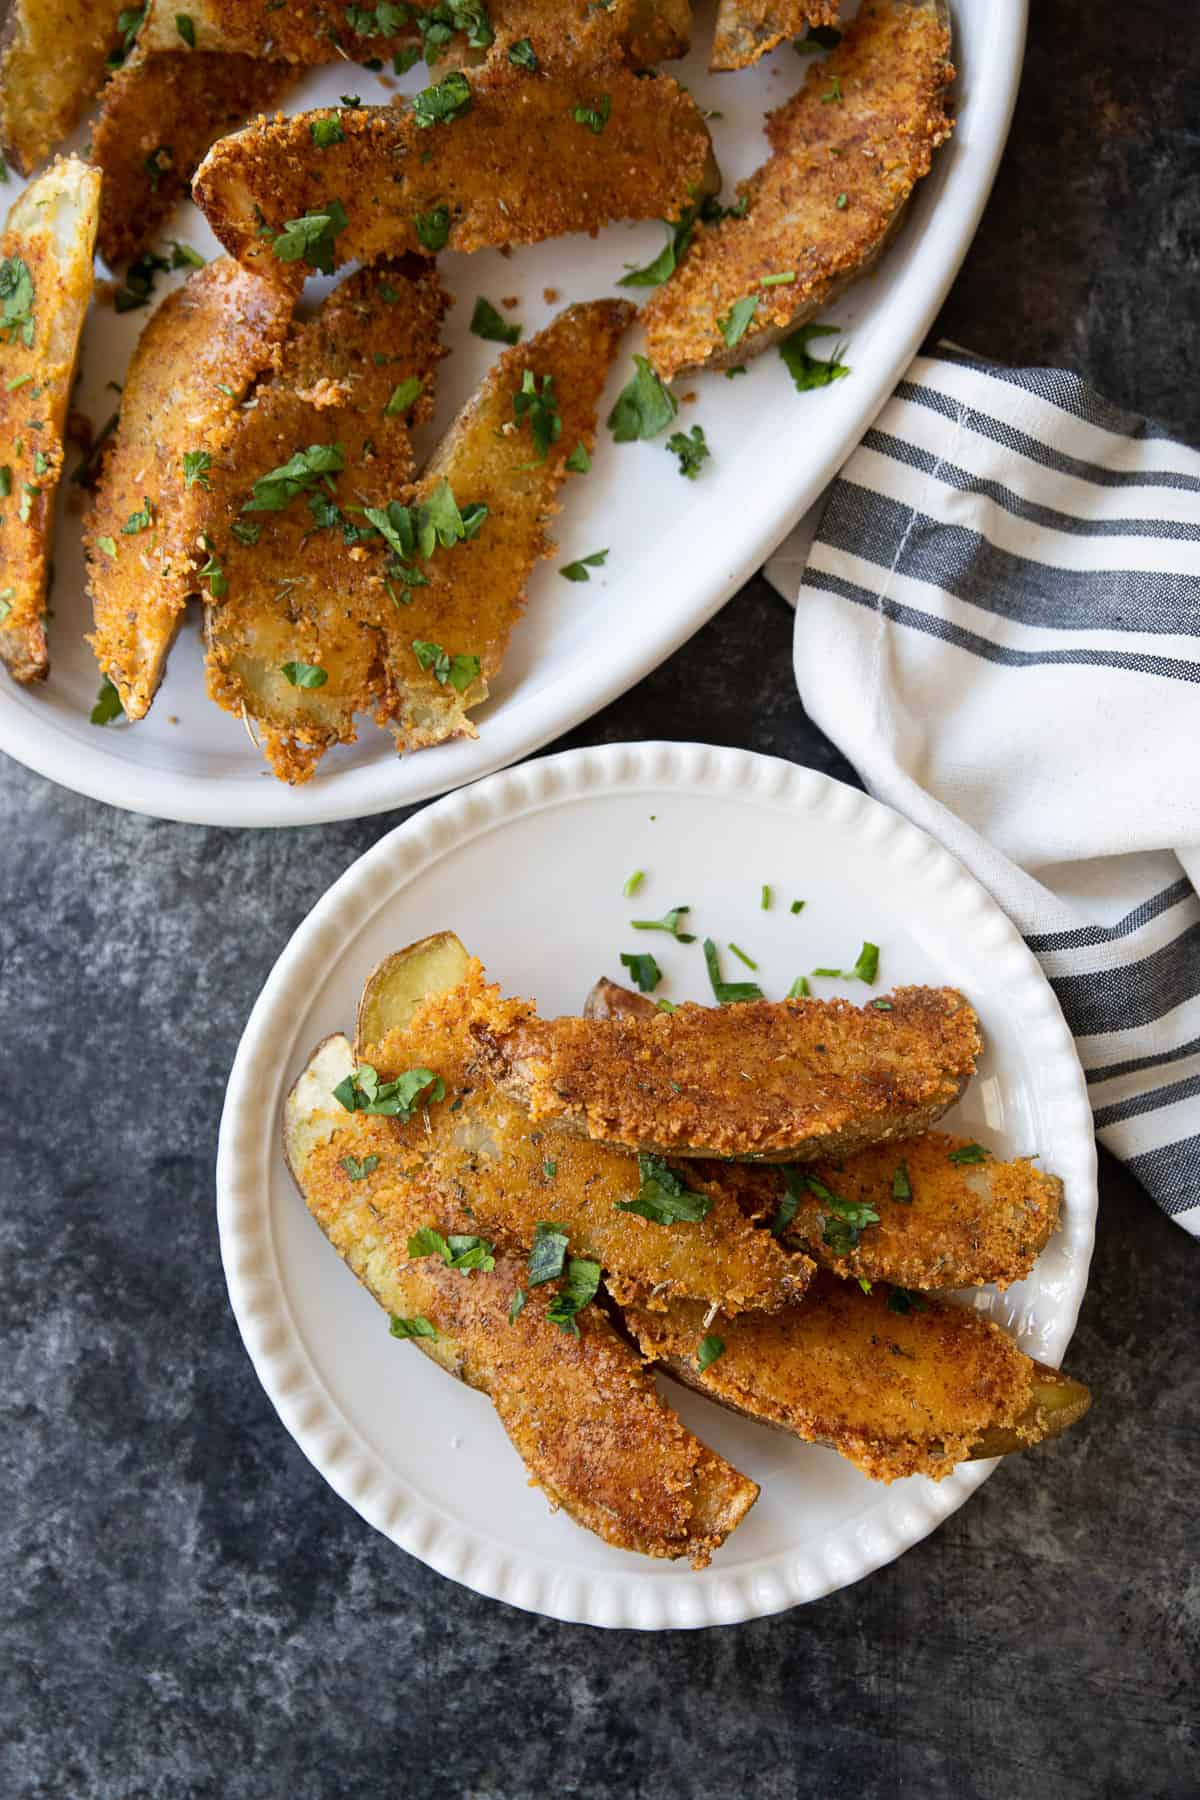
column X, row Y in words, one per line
column 998, row 623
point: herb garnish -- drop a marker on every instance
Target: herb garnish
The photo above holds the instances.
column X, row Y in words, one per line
column 358, row 1171
column 662, row 1197
column 459, row 671
column 362, row 1091
column 579, row 1287
column 789, row 1200
column 299, row 475
column 901, row 1185
column 691, row 449
column 644, row 406
column 644, row 970
column 799, row 989
column 487, row 323
column 433, row 228
column 196, row 465
column 708, row 1350
column 742, row 957
column 108, row 705
column 809, row 371
column 139, row 281
column 834, row 96
column 668, row 922
column 129, row 21
column 417, row 1327
column 545, row 420
column 445, row 101
column 515, row 1305
column 727, row 993
column 404, row 397
column 595, row 117
column 311, row 239
column 184, row 257
column 735, row 322
column 523, row 55
column 764, row 900
column 548, row 1255
column 305, row 675
column 578, row 571
column 186, row 28
column 139, row 521
column 327, row 131
column 968, row 1153
column 844, row 1221
column 16, row 293
column 457, row 1251
column 579, row 462
column 633, row 883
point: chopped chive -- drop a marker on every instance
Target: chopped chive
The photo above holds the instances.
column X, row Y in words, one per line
column 901, row 1184
column 727, row 993
column 797, row 906
column 783, row 280
column 867, row 967
column 834, row 972
column 742, row 957
column 634, row 883
column 765, row 901
column 799, row 989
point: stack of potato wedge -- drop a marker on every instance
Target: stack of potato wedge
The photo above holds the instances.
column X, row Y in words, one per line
column 262, row 462
column 751, row 1198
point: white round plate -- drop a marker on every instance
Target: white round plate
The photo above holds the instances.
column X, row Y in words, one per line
column 528, row 868
column 677, row 549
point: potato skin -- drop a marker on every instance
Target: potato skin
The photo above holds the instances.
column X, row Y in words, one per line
column 53, row 58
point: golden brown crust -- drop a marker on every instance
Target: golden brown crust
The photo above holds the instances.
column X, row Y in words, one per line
column 300, row 594
column 50, row 236
column 748, row 29
column 308, row 33
column 196, row 360
column 158, row 117
column 53, row 55
column 897, row 1393
column 487, row 167
column 480, row 1145
column 778, row 1081
column 581, row 1412
column 848, row 149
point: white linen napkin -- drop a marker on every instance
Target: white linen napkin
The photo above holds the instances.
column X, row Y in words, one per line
column 998, row 624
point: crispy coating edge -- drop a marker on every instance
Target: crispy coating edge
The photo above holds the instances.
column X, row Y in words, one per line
column 748, row 29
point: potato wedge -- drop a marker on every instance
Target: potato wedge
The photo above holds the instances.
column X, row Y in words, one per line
column 299, row 591
column 473, row 593
column 480, row 1144
column 620, row 148
column 765, row 1081
column 197, row 359
column 897, row 1384
column 748, row 29
column 158, row 116
column 53, row 60
column 45, row 285
column 579, row 1409
column 581, row 34
column 950, row 1215
column 307, row 33
column 847, row 151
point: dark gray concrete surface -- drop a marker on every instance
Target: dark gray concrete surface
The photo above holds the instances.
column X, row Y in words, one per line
column 188, row 1611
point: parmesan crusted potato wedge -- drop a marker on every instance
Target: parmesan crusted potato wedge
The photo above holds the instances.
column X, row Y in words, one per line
column 45, row 285
column 53, row 57
column 747, row 29
column 495, row 455
column 847, row 151
column 574, row 1399
column 947, row 1213
column 652, row 1244
column 298, row 615
column 158, row 116
column 198, row 358
column 767, row 1081
column 463, row 167
column 897, row 1384
column 304, row 32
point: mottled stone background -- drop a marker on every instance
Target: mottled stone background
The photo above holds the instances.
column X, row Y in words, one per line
column 187, row 1610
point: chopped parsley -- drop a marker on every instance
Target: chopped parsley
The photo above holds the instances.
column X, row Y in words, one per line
column 797, row 906
column 789, row 1200
column 548, row 1256
column 457, row 1251
column 16, row 301
column 668, row 922
column 245, row 531
column 579, row 462
column 810, row 371
column 305, row 675
column 417, row 1327
column 843, row 1221
column 727, row 993
column 160, row 162
column 662, row 1197
column 523, row 55
column 595, row 117
column 196, row 466
column 184, row 257
column 108, row 705
column 327, row 131
column 691, row 449
column 549, row 1170
column 459, row 671
column 6, row 600
column 404, row 397
column 141, row 520
column 433, row 228
column 445, row 101
column 107, row 544
column 515, row 1305
column 5, row 480
column 644, row 970
column 541, row 409
column 833, row 95
column 578, row 1289
column 901, row 1185
column 186, row 28
column 299, row 475
column 734, row 324
column 437, row 25
column 139, row 281
column 903, row 1300
column 662, row 267
column 708, row 1350
column 358, row 1171
column 968, row 1153
column 487, row 323
column 311, row 239
column 867, row 967
column 644, row 406
column 578, row 571
column 362, row 1091
column 129, row 21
